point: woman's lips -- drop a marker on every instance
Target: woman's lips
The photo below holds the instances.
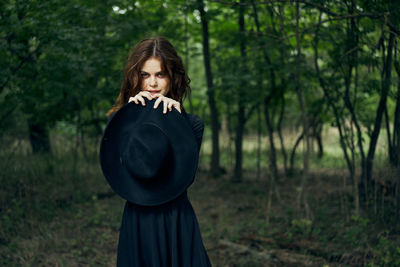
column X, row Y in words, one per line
column 154, row 92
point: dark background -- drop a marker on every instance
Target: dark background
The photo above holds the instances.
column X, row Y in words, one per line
column 300, row 161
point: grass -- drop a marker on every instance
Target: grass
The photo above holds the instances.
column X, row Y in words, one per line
column 50, row 212
column 333, row 155
column 238, row 213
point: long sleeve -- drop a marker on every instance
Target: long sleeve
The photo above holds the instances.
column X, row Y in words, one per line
column 110, row 117
column 198, row 127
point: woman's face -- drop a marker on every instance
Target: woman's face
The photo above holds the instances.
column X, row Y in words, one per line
column 154, row 80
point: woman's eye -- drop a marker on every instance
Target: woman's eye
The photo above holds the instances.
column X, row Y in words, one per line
column 143, row 74
column 160, row 75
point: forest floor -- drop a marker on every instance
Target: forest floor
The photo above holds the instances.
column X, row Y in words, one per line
column 232, row 218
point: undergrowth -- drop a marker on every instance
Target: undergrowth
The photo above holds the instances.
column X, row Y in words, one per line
column 58, row 210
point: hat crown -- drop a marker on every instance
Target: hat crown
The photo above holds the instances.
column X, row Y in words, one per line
column 146, row 151
column 140, row 171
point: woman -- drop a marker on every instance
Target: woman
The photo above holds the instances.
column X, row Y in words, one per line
column 162, row 230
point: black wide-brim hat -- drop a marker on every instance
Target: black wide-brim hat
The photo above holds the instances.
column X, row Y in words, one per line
column 148, row 158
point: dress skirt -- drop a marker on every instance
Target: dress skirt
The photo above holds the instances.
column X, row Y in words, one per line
column 158, row 236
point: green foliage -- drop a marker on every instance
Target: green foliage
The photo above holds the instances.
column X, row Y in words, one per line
column 34, row 188
column 299, row 227
column 355, row 234
column 387, row 253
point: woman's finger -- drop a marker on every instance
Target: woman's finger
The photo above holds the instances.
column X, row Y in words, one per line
column 157, row 102
column 141, row 99
column 131, row 99
column 146, row 94
column 165, row 106
column 178, row 107
column 170, row 104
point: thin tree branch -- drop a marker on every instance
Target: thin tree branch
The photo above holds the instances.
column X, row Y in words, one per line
column 381, row 17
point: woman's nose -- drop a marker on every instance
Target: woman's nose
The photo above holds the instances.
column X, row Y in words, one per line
column 153, row 81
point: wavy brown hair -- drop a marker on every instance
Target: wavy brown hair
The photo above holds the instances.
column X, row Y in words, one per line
column 171, row 64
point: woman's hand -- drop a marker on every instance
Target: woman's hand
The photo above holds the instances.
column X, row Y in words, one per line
column 168, row 103
column 140, row 97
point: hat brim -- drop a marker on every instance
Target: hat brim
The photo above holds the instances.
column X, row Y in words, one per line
column 173, row 178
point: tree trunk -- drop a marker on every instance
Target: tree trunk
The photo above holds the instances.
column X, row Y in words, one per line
column 386, row 80
column 279, row 129
column 237, row 175
column 187, row 51
column 352, row 61
column 301, row 198
column 396, row 141
column 267, row 99
column 396, row 124
column 293, row 153
column 397, row 193
column 39, row 137
column 391, row 148
column 342, row 136
column 272, row 154
column 258, row 141
column 215, row 164
column 318, row 136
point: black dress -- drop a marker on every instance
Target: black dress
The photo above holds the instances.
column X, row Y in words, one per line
column 163, row 235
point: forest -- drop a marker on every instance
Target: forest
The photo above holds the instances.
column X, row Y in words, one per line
column 300, row 160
